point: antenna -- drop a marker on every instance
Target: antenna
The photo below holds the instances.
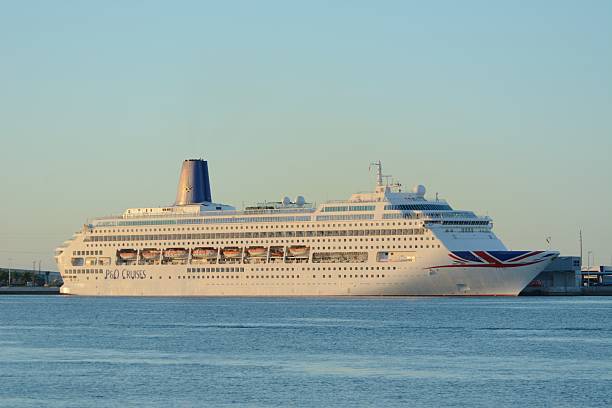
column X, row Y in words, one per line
column 397, row 185
column 379, row 175
column 580, row 234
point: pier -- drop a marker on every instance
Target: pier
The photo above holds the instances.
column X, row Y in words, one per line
column 597, row 281
column 560, row 278
column 29, row 290
column 565, row 277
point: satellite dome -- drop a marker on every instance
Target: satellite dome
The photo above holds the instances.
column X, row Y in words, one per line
column 419, row 190
column 300, row 200
column 286, row 201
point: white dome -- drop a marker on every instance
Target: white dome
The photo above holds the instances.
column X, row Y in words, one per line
column 300, row 200
column 419, row 190
column 286, row 201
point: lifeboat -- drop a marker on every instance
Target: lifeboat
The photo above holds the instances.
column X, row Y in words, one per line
column 127, row 254
column 257, row 251
column 298, row 250
column 276, row 252
column 231, row 252
column 203, row 253
column 176, row 253
column 149, row 253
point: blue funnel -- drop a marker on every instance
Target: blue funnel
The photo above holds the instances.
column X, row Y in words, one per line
column 194, row 185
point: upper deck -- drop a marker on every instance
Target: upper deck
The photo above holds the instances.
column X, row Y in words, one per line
column 384, row 204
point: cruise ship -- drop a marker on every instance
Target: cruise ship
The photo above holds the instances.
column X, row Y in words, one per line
column 386, row 242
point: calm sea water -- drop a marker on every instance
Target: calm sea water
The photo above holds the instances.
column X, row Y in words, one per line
column 419, row 352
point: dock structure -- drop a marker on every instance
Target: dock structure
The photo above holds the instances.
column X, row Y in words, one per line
column 561, row 278
column 597, row 281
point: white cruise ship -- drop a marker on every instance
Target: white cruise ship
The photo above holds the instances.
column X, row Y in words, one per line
column 387, row 242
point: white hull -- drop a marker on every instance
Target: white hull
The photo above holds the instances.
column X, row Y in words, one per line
column 173, row 280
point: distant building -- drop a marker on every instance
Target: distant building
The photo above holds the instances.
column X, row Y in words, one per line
column 594, row 276
column 561, row 277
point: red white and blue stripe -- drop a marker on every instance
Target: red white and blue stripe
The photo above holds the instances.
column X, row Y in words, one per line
column 495, row 259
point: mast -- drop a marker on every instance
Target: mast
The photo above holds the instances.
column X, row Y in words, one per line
column 580, row 249
column 379, row 175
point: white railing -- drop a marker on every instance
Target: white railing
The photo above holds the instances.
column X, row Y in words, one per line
column 207, row 214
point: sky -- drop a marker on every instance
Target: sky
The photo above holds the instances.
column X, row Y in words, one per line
column 503, row 108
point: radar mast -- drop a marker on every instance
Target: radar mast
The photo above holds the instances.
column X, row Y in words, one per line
column 379, row 176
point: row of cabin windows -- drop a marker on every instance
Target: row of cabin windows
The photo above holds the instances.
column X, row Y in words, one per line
column 297, row 226
column 236, row 276
column 313, row 248
column 276, row 276
column 300, row 241
column 345, row 217
column 83, row 271
column 349, row 208
column 418, row 207
column 277, row 241
column 96, row 252
column 213, row 270
column 241, row 269
column 207, row 220
column 242, row 219
column 263, row 234
column 350, row 276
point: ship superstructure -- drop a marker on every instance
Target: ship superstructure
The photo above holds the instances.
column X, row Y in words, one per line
column 386, row 242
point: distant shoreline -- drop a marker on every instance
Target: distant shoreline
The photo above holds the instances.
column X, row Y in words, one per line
column 26, row 290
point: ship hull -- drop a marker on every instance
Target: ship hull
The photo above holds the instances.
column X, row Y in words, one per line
column 414, row 280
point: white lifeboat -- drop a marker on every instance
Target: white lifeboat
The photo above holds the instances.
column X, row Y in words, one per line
column 298, row 250
column 203, row 253
column 231, row 252
column 276, row 252
column 257, row 251
column 127, row 254
column 176, row 253
column 150, row 253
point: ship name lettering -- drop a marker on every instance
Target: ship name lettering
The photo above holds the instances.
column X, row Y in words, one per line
column 125, row 274
column 137, row 274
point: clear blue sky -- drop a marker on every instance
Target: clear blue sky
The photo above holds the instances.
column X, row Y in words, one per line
column 504, row 108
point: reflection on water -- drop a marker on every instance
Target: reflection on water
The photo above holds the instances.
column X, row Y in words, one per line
column 91, row 352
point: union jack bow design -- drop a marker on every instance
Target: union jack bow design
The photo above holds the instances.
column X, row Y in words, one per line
column 495, row 259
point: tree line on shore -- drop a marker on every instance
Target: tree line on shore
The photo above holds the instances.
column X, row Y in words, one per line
column 23, row 278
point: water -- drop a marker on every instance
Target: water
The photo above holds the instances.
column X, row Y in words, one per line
column 418, row 352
